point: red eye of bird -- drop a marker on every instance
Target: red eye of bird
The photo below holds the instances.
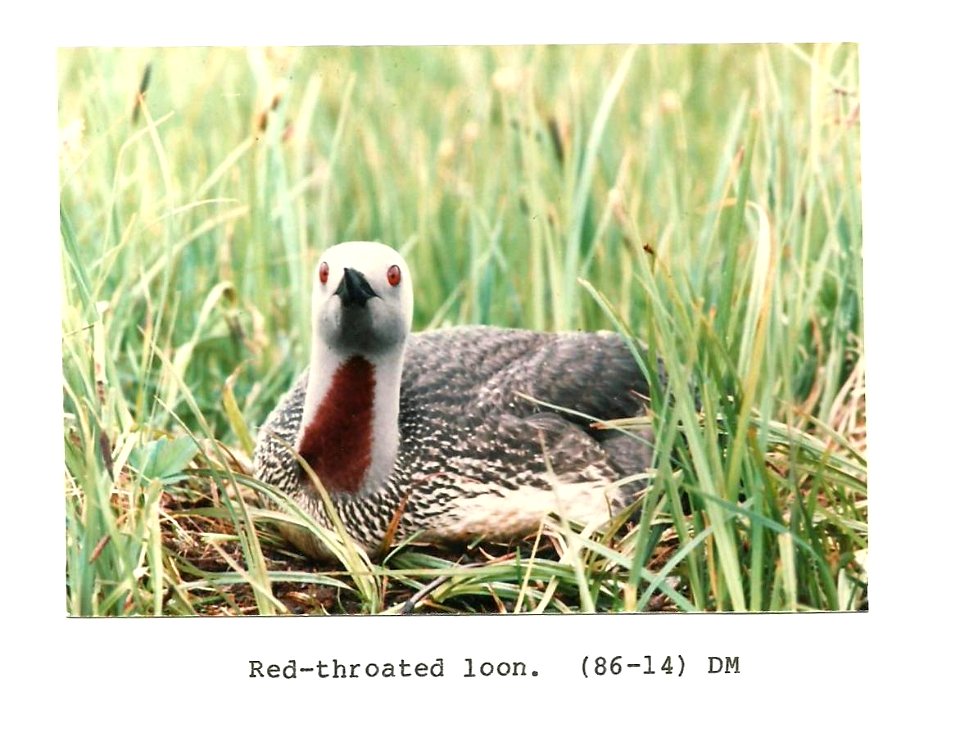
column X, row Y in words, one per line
column 393, row 275
column 324, row 272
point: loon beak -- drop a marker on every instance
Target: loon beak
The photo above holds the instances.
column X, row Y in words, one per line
column 354, row 290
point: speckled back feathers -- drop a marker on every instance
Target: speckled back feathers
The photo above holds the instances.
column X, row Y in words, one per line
column 474, row 423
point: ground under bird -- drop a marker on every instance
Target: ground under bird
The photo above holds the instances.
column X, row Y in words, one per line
column 446, row 435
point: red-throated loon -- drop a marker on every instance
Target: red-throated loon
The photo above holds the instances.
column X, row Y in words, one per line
column 436, row 431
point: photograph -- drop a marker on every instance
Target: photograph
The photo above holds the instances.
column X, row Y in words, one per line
column 462, row 330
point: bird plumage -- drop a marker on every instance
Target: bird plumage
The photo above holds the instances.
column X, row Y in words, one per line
column 493, row 428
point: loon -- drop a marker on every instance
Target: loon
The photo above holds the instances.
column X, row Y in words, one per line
column 447, row 435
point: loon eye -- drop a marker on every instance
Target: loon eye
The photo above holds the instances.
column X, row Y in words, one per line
column 324, row 272
column 393, row 275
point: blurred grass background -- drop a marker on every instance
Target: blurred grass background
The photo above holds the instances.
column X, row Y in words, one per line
column 704, row 199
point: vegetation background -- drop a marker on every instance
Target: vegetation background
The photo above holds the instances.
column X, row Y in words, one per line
column 705, row 199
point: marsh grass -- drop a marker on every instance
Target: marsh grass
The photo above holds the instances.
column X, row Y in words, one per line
column 704, row 200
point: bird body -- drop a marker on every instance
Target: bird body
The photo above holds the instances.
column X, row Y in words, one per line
column 451, row 434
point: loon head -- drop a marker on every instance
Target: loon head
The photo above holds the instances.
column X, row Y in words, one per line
column 362, row 299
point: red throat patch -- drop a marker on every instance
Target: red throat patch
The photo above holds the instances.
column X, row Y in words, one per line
column 338, row 438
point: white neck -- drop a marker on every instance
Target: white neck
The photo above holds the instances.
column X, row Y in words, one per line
column 385, row 433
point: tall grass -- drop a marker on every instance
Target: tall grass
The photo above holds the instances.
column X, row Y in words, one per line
column 701, row 199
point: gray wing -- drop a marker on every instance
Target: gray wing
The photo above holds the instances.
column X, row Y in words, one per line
column 273, row 460
column 476, row 384
column 490, row 370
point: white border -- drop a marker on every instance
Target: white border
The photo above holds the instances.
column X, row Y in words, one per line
column 813, row 672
